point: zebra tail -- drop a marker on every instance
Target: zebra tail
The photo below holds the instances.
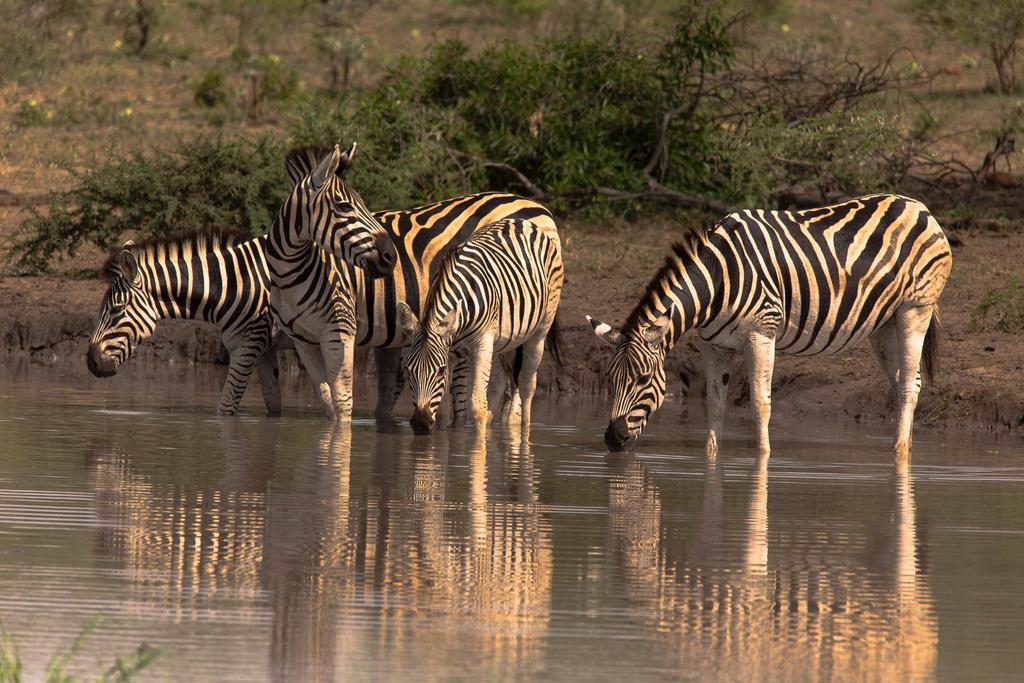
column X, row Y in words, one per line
column 930, row 353
column 554, row 343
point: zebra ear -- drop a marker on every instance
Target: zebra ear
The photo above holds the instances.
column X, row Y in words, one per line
column 346, row 161
column 327, row 167
column 450, row 322
column 126, row 261
column 605, row 332
column 655, row 333
column 407, row 321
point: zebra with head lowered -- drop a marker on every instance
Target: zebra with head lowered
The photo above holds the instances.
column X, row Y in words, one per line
column 802, row 283
column 219, row 278
column 420, row 235
column 496, row 293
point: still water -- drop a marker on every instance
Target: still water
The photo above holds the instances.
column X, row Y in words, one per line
column 252, row 549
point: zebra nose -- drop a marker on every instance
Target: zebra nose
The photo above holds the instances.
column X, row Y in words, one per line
column 422, row 422
column 617, row 437
column 99, row 365
column 386, row 257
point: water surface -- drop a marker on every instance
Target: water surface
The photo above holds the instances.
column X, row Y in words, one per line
column 284, row 549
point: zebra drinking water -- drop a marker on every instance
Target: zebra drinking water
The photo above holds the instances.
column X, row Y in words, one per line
column 219, row 278
column 496, row 293
column 802, row 283
column 421, row 236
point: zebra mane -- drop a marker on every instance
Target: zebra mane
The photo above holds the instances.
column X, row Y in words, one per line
column 299, row 162
column 446, row 262
column 683, row 251
column 157, row 248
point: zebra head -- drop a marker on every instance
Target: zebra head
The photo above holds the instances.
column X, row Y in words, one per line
column 636, row 376
column 127, row 315
column 426, row 364
column 323, row 208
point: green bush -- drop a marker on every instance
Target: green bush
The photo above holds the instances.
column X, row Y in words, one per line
column 210, row 90
column 571, row 115
column 1002, row 308
column 834, row 153
column 206, row 184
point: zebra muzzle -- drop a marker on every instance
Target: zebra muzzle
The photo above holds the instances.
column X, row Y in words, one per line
column 422, row 422
column 617, row 437
column 99, row 365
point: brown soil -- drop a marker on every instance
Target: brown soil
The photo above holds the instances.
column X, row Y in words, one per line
column 49, row 319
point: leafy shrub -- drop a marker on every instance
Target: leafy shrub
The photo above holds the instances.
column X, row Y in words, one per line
column 209, row 183
column 833, row 153
column 569, row 116
column 210, row 90
column 1002, row 308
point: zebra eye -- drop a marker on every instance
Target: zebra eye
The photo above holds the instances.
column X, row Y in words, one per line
column 643, row 380
column 442, row 370
column 342, row 208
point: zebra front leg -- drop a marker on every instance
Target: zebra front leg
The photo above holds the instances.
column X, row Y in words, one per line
column 339, row 360
column 481, row 358
column 911, row 328
column 390, row 381
column 460, row 375
column 760, row 358
column 313, row 361
column 716, row 375
column 240, row 367
column 533, row 353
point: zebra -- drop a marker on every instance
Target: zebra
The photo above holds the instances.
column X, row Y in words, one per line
column 420, row 235
column 219, row 278
column 321, row 220
column 804, row 283
column 496, row 293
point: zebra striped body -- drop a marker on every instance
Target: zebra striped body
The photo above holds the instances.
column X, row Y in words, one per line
column 496, row 293
column 804, row 283
column 321, row 221
column 219, row 279
column 367, row 306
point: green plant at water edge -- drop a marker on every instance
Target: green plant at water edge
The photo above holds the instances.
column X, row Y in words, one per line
column 122, row 670
column 1002, row 308
column 207, row 184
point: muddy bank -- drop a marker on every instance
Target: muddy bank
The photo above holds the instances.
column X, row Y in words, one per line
column 49, row 319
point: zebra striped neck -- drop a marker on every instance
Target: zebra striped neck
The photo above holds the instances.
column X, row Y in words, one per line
column 209, row 278
column 689, row 284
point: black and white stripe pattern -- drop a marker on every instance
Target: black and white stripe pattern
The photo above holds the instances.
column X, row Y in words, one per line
column 497, row 293
column 220, row 279
column 322, row 221
column 804, row 283
column 421, row 236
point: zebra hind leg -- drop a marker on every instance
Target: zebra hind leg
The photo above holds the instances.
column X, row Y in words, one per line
column 390, row 382
column 511, row 403
column 533, row 353
column 716, row 375
column 270, row 382
column 912, row 327
column 885, row 343
column 760, row 359
column 313, row 362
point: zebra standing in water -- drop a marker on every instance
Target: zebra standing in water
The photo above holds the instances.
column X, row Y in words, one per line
column 496, row 293
column 420, row 235
column 221, row 279
column 323, row 219
column 802, row 283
